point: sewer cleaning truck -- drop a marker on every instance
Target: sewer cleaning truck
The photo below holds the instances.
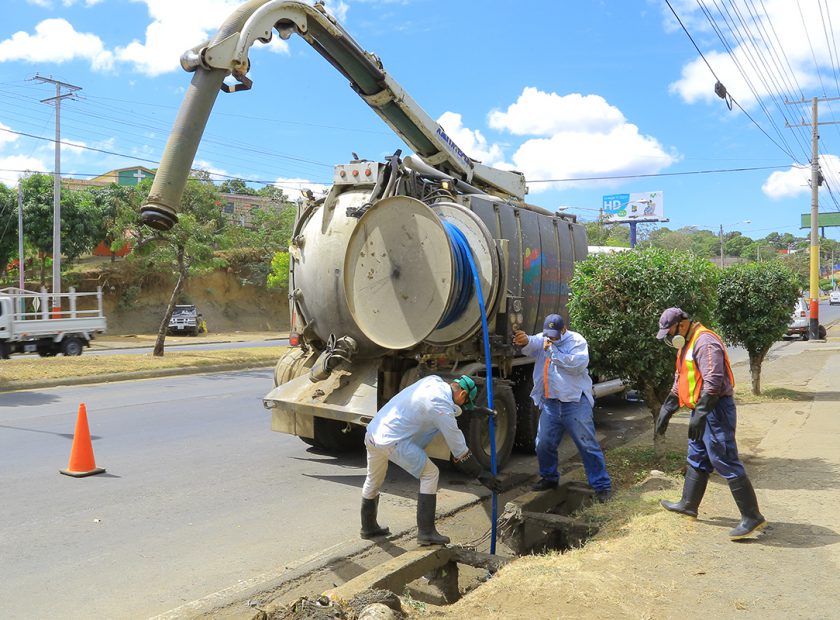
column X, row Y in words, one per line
column 380, row 287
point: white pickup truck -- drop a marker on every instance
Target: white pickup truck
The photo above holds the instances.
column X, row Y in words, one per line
column 28, row 323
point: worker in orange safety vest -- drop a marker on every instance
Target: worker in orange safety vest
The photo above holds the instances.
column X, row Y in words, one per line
column 703, row 382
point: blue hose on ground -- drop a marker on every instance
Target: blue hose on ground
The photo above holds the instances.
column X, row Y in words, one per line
column 461, row 250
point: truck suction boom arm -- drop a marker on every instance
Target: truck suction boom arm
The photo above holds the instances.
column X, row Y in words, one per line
column 227, row 54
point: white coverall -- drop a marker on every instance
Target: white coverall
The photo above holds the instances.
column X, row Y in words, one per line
column 402, row 429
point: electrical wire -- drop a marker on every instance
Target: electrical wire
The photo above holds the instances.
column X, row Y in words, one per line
column 663, row 174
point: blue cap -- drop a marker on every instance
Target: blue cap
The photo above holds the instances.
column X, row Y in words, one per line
column 553, row 325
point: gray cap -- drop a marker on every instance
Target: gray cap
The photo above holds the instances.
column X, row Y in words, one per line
column 669, row 318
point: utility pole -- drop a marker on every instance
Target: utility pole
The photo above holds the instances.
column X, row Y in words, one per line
column 721, row 246
column 70, row 93
column 816, row 181
column 20, row 245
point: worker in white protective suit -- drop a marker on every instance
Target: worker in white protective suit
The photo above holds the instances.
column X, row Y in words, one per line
column 400, row 432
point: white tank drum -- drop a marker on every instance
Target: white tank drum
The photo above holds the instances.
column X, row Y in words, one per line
column 316, row 279
column 406, row 277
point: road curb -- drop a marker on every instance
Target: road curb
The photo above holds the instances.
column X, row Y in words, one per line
column 17, row 386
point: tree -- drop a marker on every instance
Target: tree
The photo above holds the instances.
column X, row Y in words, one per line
column 236, row 186
column 188, row 246
column 616, row 300
column 116, row 205
column 80, row 220
column 8, row 227
column 734, row 244
column 754, row 306
column 279, row 275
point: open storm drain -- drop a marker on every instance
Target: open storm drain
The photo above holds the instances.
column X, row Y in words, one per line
column 535, row 522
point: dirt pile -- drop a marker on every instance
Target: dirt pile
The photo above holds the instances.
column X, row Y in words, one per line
column 135, row 303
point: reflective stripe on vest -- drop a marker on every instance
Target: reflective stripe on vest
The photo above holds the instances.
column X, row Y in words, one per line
column 689, row 379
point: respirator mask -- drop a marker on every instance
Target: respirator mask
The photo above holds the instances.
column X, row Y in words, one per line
column 458, row 411
column 677, row 341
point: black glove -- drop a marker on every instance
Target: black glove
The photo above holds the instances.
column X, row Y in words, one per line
column 470, row 465
column 490, row 481
column 483, row 412
column 669, row 408
column 697, row 424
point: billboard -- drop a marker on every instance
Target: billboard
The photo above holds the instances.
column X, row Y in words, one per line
column 642, row 206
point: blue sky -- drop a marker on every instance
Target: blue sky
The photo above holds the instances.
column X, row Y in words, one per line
column 558, row 90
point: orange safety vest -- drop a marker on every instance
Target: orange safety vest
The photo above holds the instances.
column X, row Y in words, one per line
column 689, row 379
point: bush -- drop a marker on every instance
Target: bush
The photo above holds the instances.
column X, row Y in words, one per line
column 754, row 305
column 616, row 302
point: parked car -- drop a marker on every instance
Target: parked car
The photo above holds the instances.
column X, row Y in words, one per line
column 800, row 320
column 834, row 297
column 798, row 325
column 187, row 320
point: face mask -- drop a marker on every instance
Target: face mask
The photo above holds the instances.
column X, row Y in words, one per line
column 678, row 341
column 458, row 411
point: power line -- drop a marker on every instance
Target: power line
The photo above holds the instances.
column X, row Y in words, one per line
column 664, row 174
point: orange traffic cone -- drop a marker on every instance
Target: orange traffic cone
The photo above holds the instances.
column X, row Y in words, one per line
column 81, row 454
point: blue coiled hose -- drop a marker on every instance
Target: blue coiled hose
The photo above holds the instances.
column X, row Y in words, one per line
column 464, row 266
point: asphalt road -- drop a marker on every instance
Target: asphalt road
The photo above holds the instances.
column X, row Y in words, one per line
column 201, row 502
column 199, row 497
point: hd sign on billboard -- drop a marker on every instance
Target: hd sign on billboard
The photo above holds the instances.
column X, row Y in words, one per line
column 643, row 206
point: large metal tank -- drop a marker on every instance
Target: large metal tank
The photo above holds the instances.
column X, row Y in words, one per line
column 389, row 278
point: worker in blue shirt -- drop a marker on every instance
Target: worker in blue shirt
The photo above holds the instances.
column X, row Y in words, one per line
column 563, row 393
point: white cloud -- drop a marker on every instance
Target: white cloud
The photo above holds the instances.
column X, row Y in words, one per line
column 782, row 19
column 576, row 154
column 538, row 113
column 579, row 136
column 795, row 181
column 48, row 4
column 9, row 166
column 294, row 187
column 5, row 136
column 180, row 25
column 55, row 40
column 471, row 141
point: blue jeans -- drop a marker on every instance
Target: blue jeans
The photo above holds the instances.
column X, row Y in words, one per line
column 718, row 451
column 557, row 418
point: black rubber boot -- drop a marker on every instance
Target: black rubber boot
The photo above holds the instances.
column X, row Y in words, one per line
column 370, row 528
column 751, row 519
column 693, row 491
column 426, row 532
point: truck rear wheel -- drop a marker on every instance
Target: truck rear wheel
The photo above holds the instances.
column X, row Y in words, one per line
column 478, row 433
column 71, row 346
column 527, row 413
column 5, row 350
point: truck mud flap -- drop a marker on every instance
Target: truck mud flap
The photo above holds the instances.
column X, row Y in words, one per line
column 346, row 395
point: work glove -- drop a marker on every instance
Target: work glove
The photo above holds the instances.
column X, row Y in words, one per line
column 470, row 465
column 697, row 424
column 483, row 412
column 668, row 409
column 490, row 481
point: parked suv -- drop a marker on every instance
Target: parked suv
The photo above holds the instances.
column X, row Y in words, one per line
column 186, row 320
